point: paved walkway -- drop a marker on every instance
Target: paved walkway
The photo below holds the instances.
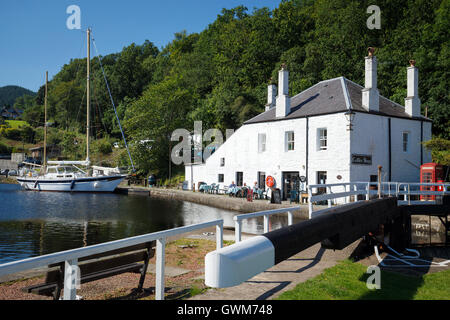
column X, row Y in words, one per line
column 282, row 277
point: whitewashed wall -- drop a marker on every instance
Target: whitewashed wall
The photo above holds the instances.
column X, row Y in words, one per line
column 241, row 152
column 370, row 136
column 335, row 160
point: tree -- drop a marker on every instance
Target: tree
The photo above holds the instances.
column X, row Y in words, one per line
column 440, row 150
column 151, row 120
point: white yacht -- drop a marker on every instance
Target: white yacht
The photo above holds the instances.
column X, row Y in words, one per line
column 71, row 179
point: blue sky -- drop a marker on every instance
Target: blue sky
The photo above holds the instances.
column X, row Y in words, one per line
column 34, row 37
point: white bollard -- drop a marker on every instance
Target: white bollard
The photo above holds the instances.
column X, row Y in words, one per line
column 238, row 262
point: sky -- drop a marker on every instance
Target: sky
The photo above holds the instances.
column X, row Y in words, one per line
column 34, row 37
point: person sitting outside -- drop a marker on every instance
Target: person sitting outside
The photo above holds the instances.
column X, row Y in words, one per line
column 255, row 189
column 232, row 188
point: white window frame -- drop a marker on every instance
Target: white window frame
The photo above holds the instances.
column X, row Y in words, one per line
column 322, row 140
column 261, row 142
column 288, row 141
column 222, row 162
column 405, row 147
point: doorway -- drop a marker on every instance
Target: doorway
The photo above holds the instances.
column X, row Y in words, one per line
column 321, row 179
column 290, row 180
column 262, row 180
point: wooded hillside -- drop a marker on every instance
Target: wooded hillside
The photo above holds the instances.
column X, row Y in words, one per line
column 220, row 75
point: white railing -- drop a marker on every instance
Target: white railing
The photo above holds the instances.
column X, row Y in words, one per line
column 266, row 214
column 71, row 256
column 402, row 190
column 413, row 189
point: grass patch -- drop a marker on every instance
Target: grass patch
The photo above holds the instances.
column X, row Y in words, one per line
column 347, row 281
column 16, row 124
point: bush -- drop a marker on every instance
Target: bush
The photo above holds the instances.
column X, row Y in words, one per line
column 4, row 148
column 11, row 133
column 102, row 146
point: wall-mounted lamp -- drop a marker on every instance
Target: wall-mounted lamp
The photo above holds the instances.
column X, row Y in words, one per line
column 350, row 116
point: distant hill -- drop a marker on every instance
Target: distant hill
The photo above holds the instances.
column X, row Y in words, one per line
column 9, row 94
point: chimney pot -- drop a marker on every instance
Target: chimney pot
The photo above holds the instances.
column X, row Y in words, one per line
column 370, row 94
column 283, row 101
column 412, row 100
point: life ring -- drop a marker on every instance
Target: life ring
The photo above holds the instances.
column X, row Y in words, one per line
column 441, row 187
column 270, row 181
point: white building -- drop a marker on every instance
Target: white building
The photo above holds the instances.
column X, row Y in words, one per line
column 307, row 135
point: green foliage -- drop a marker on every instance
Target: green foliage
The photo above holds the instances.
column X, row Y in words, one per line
column 16, row 124
column 102, row 146
column 440, row 150
column 9, row 94
column 4, row 149
column 11, row 133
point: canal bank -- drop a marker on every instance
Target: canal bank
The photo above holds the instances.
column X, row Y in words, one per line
column 215, row 200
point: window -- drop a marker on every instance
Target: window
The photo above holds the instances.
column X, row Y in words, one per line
column 323, row 139
column 51, row 170
column 405, row 139
column 222, row 162
column 220, row 178
column 290, row 140
column 261, row 142
column 239, row 179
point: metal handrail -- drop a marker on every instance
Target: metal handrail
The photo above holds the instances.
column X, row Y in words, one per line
column 71, row 256
column 401, row 189
column 266, row 214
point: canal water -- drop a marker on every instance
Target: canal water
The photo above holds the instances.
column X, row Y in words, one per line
column 36, row 223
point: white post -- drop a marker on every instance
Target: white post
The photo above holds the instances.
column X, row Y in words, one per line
column 345, row 190
column 266, row 223
column 329, row 200
column 71, row 275
column 219, row 235
column 160, row 261
column 237, row 231
column 368, row 191
column 290, row 218
column 409, row 195
column 310, row 202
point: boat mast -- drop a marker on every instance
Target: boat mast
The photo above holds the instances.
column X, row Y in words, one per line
column 45, row 123
column 87, row 92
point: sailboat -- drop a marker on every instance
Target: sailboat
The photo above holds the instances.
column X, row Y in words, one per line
column 67, row 176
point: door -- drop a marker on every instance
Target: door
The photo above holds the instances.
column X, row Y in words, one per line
column 321, row 179
column 239, row 179
column 290, row 181
column 262, row 180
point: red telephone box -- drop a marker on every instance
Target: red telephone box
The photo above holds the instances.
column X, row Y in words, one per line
column 431, row 173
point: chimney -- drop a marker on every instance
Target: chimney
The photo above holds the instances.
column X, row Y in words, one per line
column 370, row 94
column 271, row 95
column 412, row 101
column 283, row 101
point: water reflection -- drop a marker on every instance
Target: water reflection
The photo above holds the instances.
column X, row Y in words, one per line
column 33, row 223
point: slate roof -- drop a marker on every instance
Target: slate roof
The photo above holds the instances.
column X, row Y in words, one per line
column 332, row 96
